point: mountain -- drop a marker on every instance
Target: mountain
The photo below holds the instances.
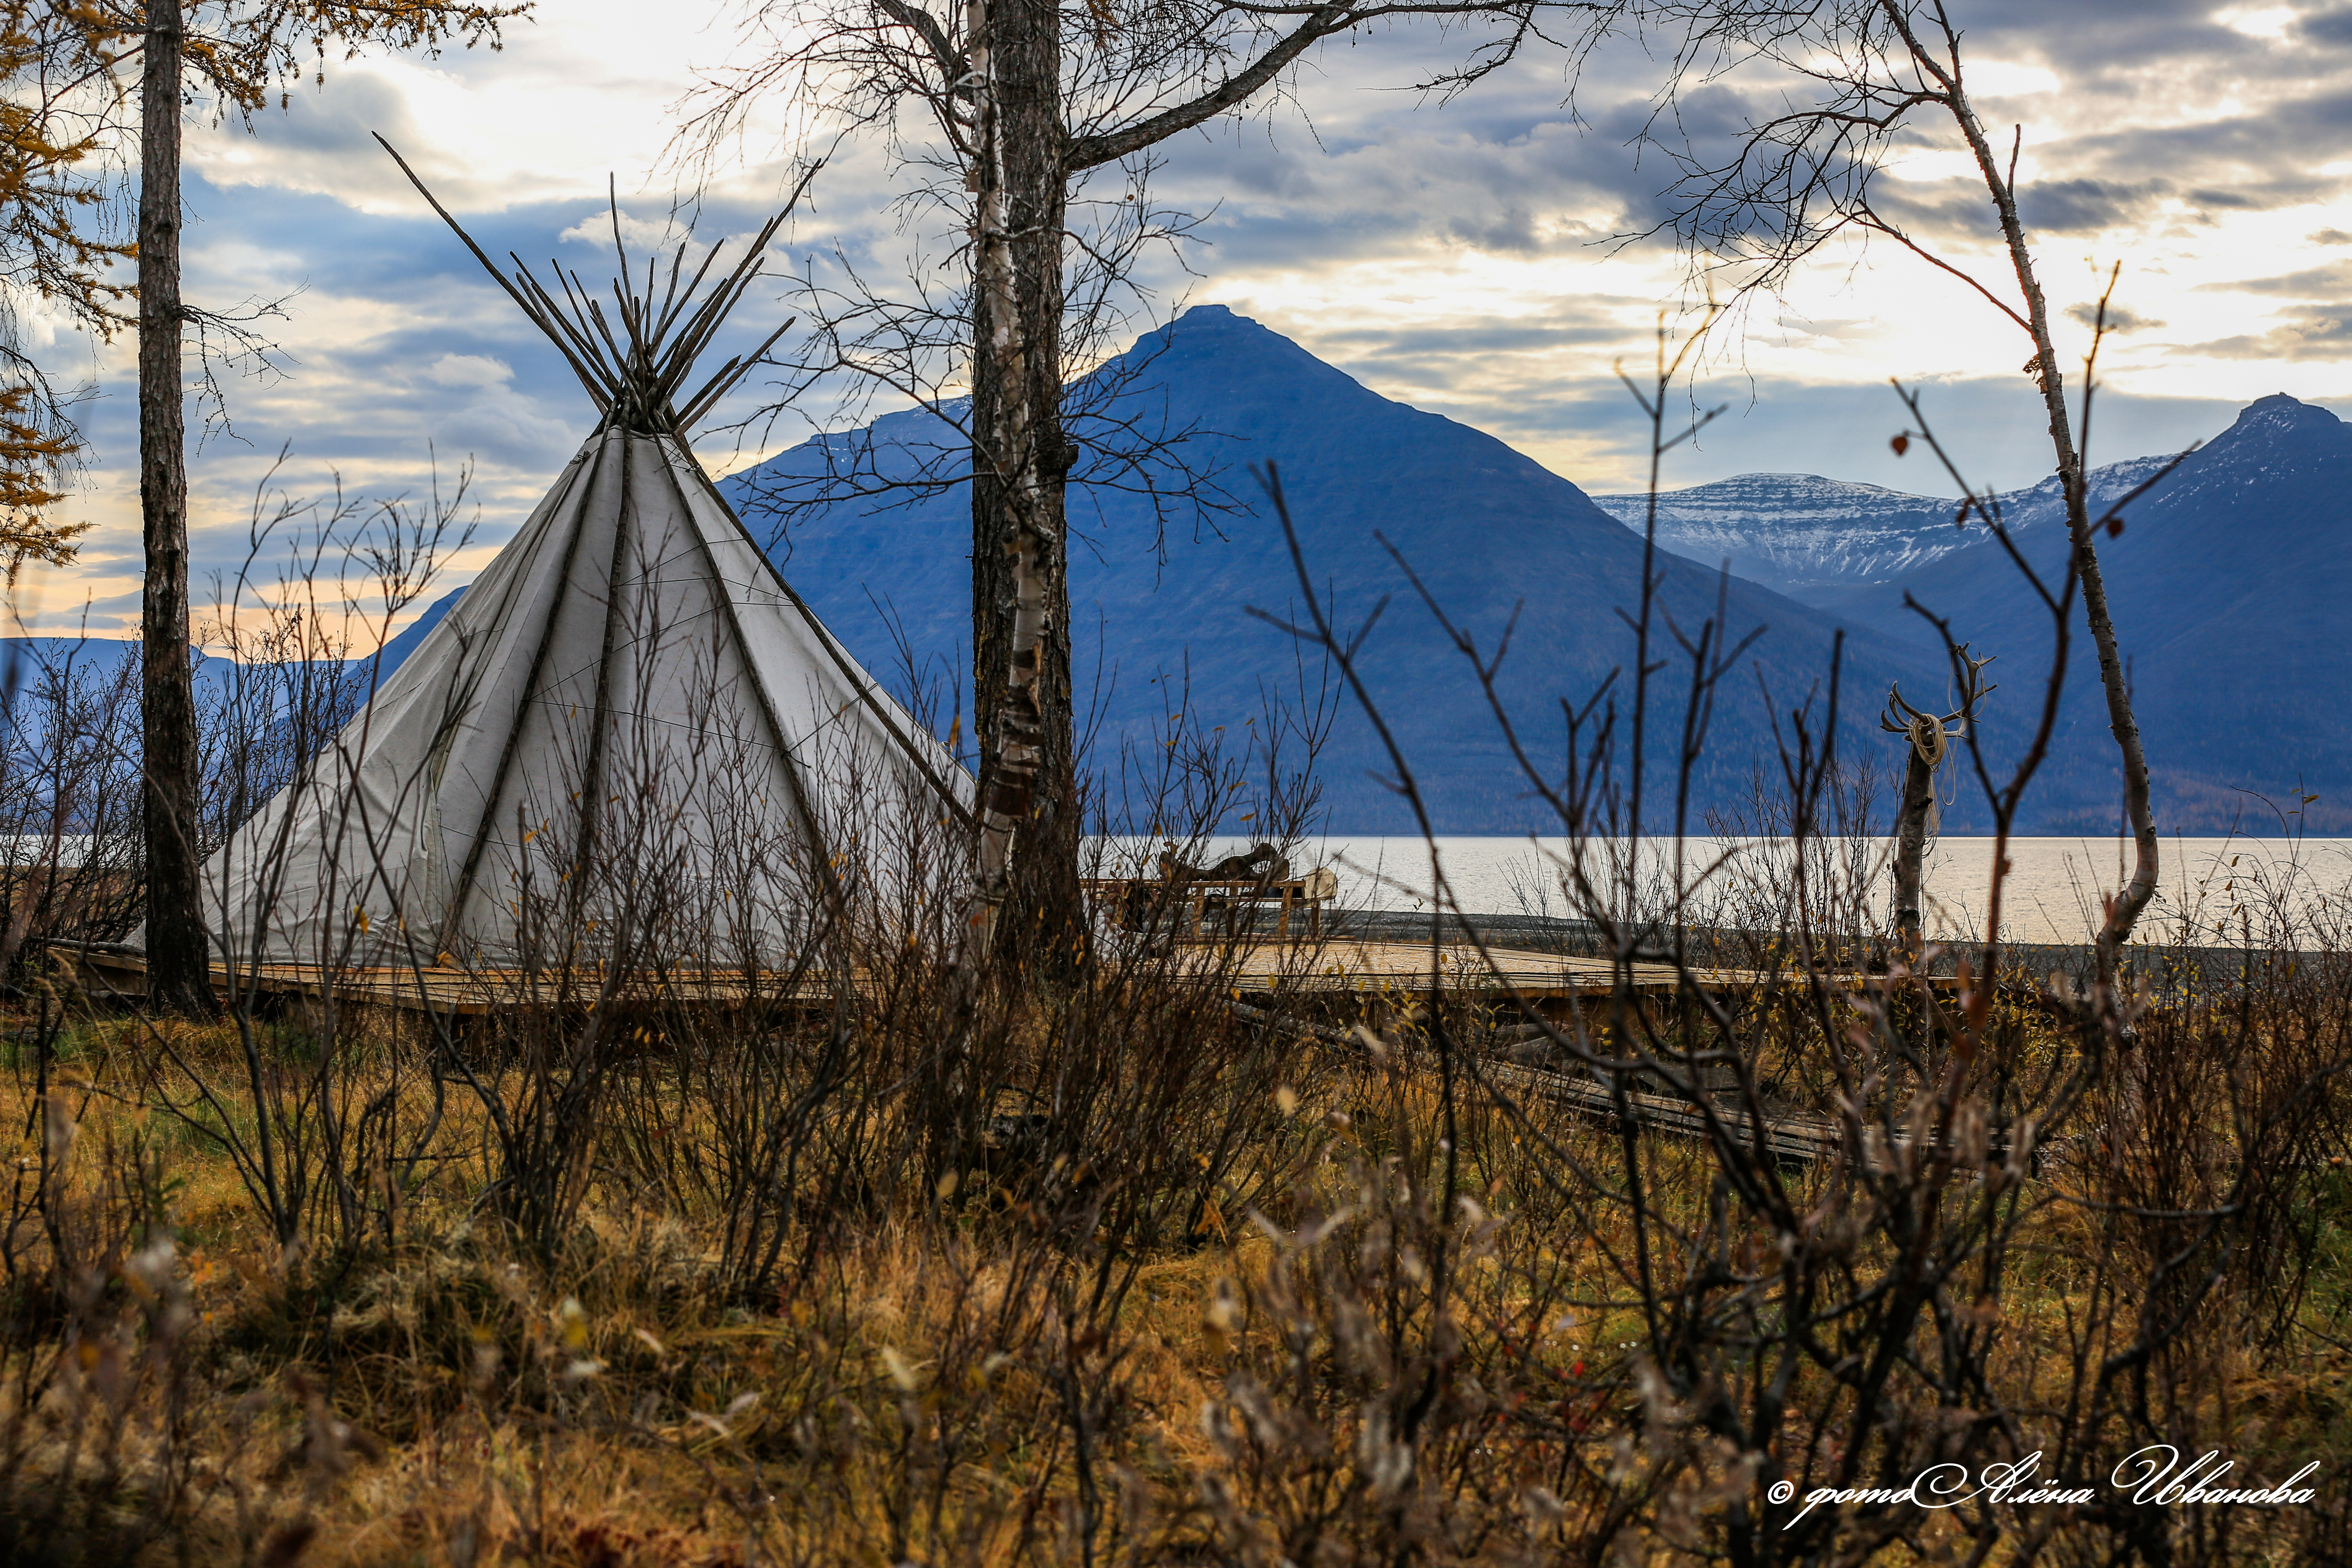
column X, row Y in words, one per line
column 400, row 647
column 22, row 660
column 2228, row 585
column 1801, row 533
column 94, row 666
column 1162, row 592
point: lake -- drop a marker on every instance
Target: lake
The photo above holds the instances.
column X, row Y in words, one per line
column 2211, row 891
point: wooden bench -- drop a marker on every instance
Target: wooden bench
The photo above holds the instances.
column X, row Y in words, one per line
column 1193, row 895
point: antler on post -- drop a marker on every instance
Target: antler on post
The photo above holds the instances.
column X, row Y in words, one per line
column 1973, row 688
column 1900, row 717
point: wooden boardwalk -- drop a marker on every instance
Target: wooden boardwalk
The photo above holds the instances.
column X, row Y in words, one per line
column 1329, row 970
column 1794, row 1140
column 460, row 991
column 1401, row 967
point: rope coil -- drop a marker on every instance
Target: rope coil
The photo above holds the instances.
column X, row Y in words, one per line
column 1929, row 739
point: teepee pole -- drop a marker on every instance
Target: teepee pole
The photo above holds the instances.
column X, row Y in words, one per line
column 803, row 805
column 599, row 718
column 487, row 824
column 547, row 321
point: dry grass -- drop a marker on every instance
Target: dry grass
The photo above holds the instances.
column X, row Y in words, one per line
column 1333, row 1364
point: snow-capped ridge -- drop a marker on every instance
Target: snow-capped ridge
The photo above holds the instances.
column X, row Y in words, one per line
column 1802, row 534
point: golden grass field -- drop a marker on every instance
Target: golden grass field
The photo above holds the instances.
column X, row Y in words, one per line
column 1258, row 1332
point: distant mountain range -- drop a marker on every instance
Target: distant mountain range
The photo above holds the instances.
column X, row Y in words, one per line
column 2228, row 584
column 2228, row 581
column 97, row 659
column 1801, row 533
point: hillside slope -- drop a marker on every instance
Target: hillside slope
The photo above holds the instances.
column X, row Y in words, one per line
column 1163, row 601
column 2229, row 585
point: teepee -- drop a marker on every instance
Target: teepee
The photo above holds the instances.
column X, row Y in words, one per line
column 629, row 731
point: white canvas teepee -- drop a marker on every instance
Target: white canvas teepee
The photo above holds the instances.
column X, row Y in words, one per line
column 630, row 728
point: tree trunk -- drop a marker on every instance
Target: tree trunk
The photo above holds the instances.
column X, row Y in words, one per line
column 178, row 965
column 1021, row 460
column 2124, row 909
column 1911, row 850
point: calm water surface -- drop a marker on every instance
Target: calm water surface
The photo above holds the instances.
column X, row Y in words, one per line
column 2212, row 892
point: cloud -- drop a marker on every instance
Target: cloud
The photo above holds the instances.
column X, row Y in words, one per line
column 2115, row 319
column 2331, row 281
column 573, row 96
column 1829, row 330
column 1512, row 231
column 2082, row 207
column 1458, row 256
column 469, row 370
column 1516, row 184
column 2299, row 337
column 2328, row 29
column 1993, row 425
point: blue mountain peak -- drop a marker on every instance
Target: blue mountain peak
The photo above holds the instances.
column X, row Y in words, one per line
column 2279, row 416
column 1212, row 349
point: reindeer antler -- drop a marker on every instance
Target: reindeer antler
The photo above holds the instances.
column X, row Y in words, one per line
column 1973, row 688
column 1900, row 718
column 1899, row 715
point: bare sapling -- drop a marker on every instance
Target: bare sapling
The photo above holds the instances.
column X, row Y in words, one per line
column 1790, row 184
column 1927, row 740
column 301, row 645
column 2123, row 910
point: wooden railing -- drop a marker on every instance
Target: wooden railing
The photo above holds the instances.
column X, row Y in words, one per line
column 1192, row 896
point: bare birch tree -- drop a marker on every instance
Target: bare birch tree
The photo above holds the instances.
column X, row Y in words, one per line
column 1006, row 109
column 1793, row 183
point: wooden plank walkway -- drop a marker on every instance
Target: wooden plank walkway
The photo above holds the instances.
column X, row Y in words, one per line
column 1330, row 969
column 1402, row 967
column 1795, row 1140
column 1362, row 969
column 461, row 992
column 1789, row 1140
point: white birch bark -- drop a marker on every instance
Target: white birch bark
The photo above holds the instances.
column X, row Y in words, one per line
column 1007, row 795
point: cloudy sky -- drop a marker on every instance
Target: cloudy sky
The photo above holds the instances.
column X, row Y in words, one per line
column 1464, row 257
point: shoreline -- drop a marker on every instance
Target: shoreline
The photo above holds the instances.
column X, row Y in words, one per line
column 1710, row 946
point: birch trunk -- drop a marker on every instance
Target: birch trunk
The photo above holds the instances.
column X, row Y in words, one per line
column 2124, row 912
column 178, row 965
column 1020, row 650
